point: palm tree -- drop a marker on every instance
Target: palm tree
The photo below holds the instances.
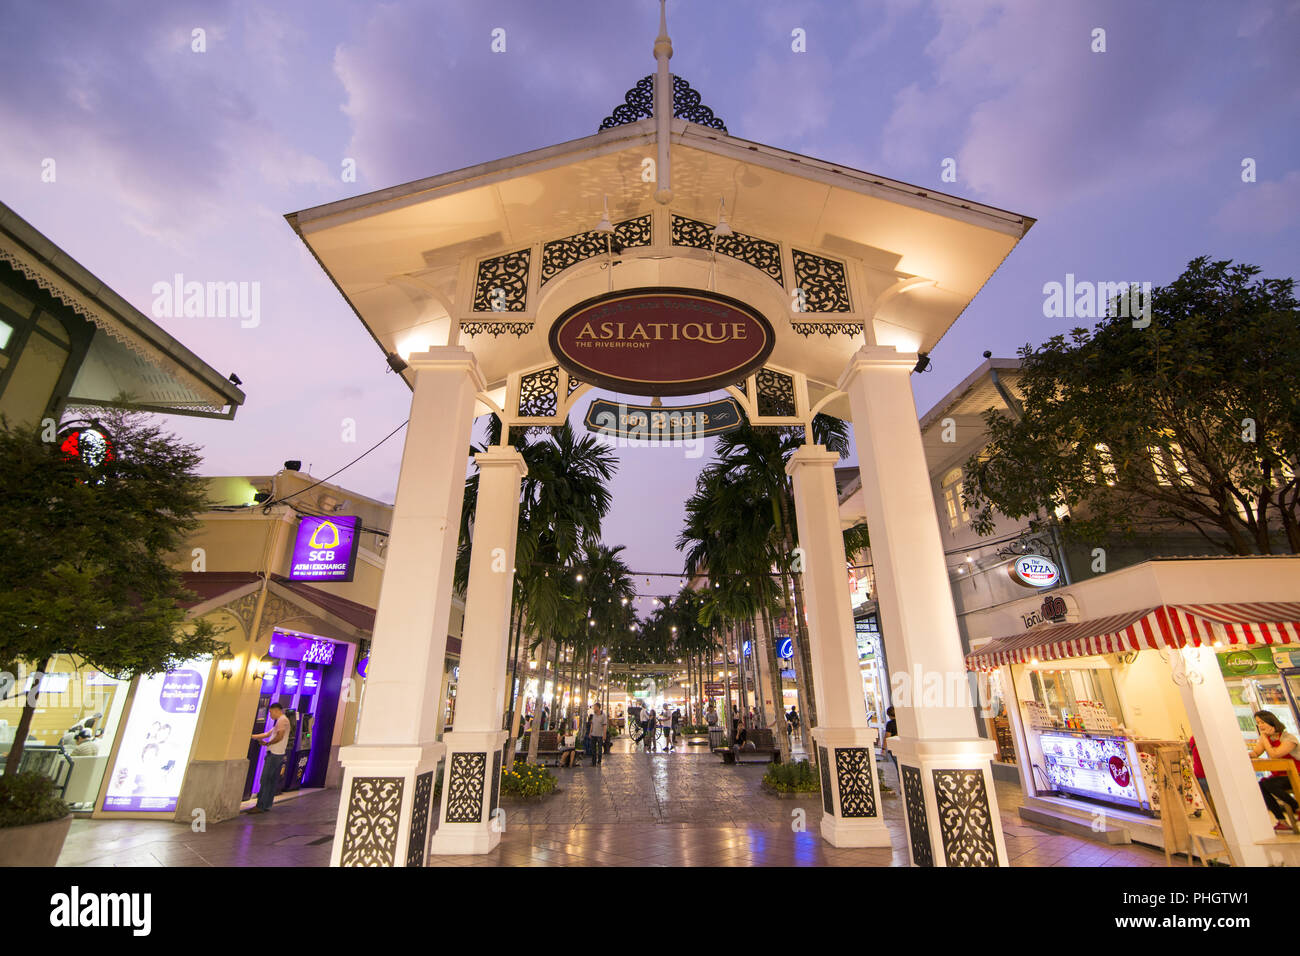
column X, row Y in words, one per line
column 742, row 517
column 563, row 499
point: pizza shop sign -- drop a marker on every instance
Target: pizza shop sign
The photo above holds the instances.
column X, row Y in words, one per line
column 1034, row 571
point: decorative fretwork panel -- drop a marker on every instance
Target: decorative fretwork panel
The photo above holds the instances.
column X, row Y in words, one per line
column 762, row 255
column 827, row 328
column 539, row 393
column 370, row 832
column 775, row 393
column 415, row 846
column 465, row 787
column 509, row 273
column 639, row 102
column 918, row 826
column 574, row 385
column 824, row 762
column 562, row 253
column 495, row 328
column 494, row 795
column 857, row 791
column 823, row 281
column 965, row 820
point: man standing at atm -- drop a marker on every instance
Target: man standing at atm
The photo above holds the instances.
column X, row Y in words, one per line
column 275, row 740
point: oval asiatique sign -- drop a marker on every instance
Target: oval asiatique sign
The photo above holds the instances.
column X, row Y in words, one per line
column 1034, row 571
column 661, row 341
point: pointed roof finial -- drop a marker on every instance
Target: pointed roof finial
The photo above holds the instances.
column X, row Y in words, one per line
column 663, row 43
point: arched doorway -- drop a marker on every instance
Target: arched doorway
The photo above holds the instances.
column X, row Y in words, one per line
column 460, row 279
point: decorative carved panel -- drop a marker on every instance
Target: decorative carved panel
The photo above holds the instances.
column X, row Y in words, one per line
column 574, row 385
column 824, row 762
column 539, row 393
column 823, row 281
column 562, row 253
column 370, row 831
column 827, row 328
column 508, row 273
column 759, row 253
column 465, row 787
column 918, row 826
column 494, row 795
column 857, row 791
column 639, row 102
column 965, row 820
column 775, row 393
column 416, row 845
column 496, row 328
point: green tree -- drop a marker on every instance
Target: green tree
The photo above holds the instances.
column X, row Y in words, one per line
column 564, row 497
column 1192, row 421
column 740, row 525
column 85, row 554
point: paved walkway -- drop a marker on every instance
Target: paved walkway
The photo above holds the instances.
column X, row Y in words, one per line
column 678, row 809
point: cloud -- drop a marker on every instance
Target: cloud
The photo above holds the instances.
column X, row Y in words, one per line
column 1262, row 208
column 1037, row 119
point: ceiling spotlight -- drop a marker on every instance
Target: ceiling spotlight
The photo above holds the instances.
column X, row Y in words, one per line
column 235, row 379
column 294, row 465
column 723, row 228
column 922, row 362
column 988, row 354
column 396, row 363
column 261, row 497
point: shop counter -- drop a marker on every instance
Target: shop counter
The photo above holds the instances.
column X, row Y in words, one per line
column 1100, row 766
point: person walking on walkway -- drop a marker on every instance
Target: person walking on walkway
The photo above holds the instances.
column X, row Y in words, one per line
column 676, row 727
column 275, row 740
column 596, row 735
column 651, row 721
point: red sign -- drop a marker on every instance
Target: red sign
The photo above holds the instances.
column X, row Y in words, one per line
column 1118, row 771
column 661, row 341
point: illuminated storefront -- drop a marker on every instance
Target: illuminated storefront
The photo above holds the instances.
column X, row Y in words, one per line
column 77, row 719
column 1114, row 678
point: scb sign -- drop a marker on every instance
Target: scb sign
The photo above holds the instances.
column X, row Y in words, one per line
column 325, row 549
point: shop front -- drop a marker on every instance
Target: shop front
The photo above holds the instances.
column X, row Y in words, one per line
column 1100, row 708
column 76, row 722
column 871, row 666
column 306, row 675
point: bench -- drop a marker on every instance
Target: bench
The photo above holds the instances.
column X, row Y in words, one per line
column 550, row 748
column 763, row 751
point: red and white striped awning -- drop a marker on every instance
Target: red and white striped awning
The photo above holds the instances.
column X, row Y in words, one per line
column 1168, row 626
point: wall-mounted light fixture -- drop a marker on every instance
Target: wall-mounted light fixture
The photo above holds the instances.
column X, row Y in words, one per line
column 226, row 665
column 263, row 666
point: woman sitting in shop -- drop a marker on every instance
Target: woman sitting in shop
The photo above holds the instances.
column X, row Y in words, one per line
column 1277, row 743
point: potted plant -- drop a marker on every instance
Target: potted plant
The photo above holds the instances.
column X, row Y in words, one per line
column 34, row 821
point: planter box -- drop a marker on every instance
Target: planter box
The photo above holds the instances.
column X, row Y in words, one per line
column 37, row 844
column 793, row 795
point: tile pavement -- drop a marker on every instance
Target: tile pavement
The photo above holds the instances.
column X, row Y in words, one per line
column 678, row 809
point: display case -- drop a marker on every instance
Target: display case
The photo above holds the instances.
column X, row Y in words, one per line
column 1099, row 766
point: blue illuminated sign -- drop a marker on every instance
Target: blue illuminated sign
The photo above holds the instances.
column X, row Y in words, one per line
column 787, row 648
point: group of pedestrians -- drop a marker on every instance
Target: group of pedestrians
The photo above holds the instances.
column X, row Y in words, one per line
column 669, row 721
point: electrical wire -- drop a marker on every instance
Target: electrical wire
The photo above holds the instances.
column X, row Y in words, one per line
column 341, row 470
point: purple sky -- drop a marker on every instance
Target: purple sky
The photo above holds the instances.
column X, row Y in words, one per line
column 173, row 161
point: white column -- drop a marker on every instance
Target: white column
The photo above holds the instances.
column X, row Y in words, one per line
column 472, row 780
column 851, row 799
column 383, row 818
column 1244, row 821
column 946, row 767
